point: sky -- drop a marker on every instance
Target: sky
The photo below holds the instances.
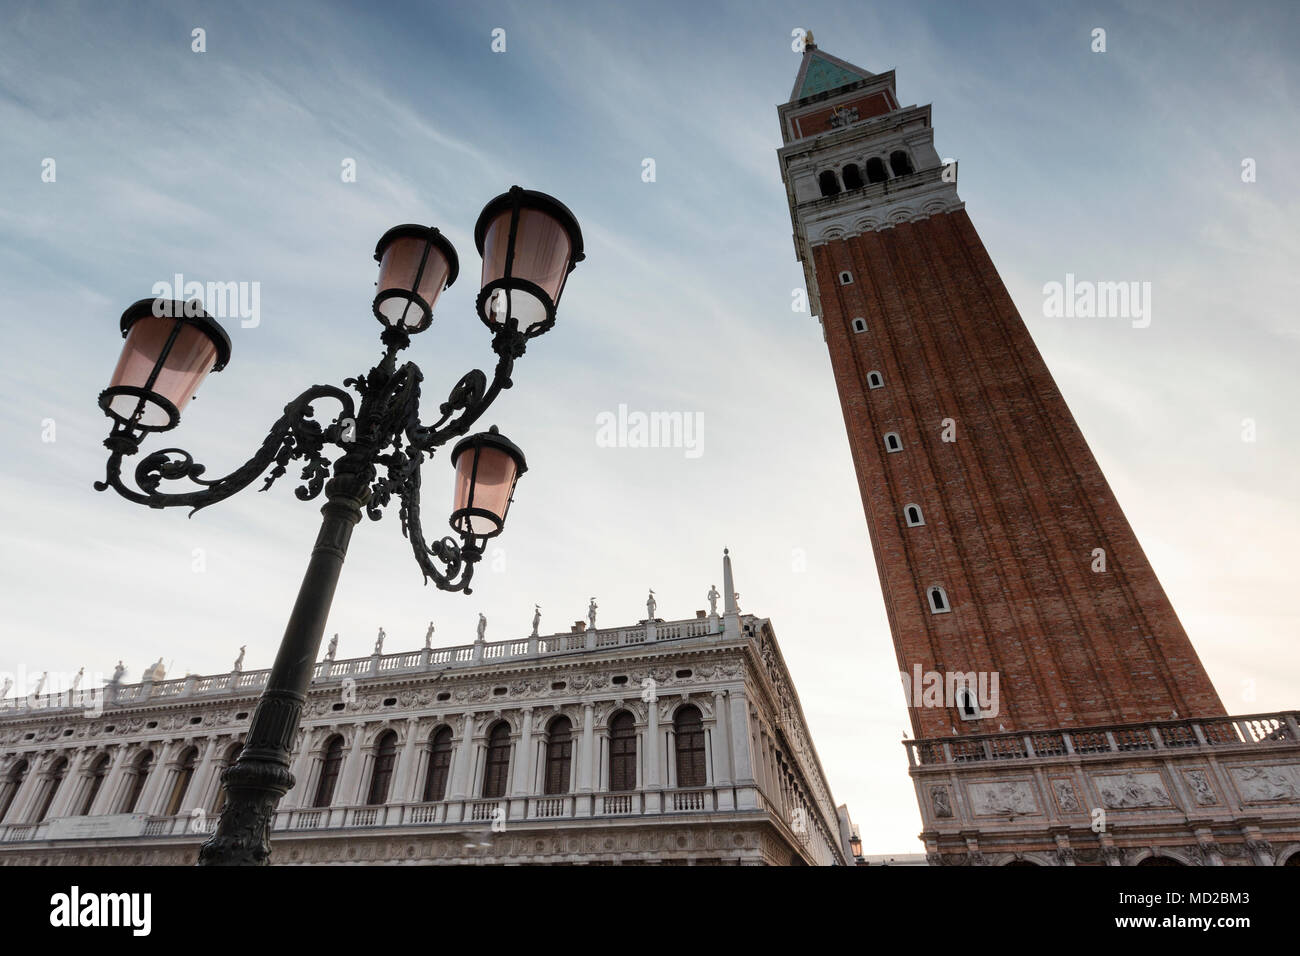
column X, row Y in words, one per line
column 226, row 165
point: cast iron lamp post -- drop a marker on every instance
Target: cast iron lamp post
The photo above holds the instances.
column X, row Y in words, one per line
column 529, row 243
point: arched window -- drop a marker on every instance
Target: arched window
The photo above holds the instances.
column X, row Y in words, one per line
column 184, row 774
column 846, row 278
column 913, row 515
column 938, row 600
column 14, row 780
column 859, row 325
column 900, row 163
column 1160, row 861
column 828, row 183
column 876, row 170
column 852, row 177
column 382, row 775
column 435, row 782
column 622, row 753
column 227, row 761
column 875, row 380
column 97, row 775
column 967, row 705
column 688, row 728
column 52, row 781
column 892, row 442
column 498, row 761
column 330, row 769
column 559, row 755
column 139, row 774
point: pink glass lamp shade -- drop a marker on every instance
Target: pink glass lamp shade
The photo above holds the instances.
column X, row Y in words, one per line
column 415, row 264
column 487, row 466
column 170, row 348
column 529, row 242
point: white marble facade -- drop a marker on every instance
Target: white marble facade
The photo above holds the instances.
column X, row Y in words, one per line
column 140, row 781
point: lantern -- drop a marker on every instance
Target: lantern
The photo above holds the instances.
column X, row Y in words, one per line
column 415, row 264
column 529, row 242
column 487, row 466
column 170, row 348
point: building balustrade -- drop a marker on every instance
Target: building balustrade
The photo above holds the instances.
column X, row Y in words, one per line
column 473, row 810
column 1251, row 730
column 405, row 662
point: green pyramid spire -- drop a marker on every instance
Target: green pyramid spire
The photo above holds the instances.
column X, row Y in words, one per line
column 820, row 72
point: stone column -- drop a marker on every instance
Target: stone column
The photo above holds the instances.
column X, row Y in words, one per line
column 107, row 799
column 159, row 774
column 206, row 794
column 401, row 791
column 742, row 758
column 722, row 751
column 345, row 794
column 69, row 787
column 20, row 806
column 586, row 770
column 670, row 753
column 202, row 777
column 301, row 770
column 463, row 765
column 709, row 733
column 524, row 765
column 651, row 778
column 590, row 761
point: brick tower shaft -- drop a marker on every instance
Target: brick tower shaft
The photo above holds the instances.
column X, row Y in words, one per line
column 1000, row 547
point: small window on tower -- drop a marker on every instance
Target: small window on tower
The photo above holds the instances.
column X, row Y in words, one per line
column 852, row 177
column 900, row 163
column 846, row 278
column 892, row 442
column 875, row 380
column 828, row 183
column 859, row 325
column 938, row 600
column 914, row 519
column 967, row 706
column 876, row 170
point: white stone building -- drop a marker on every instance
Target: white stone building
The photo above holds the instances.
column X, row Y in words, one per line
column 670, row 742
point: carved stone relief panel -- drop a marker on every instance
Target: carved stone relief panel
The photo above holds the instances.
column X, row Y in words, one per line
column 1202, row 790
column 1066, row 798
column 941, row 802
column 1266, row 783
column 1132, row 791
column 996, row 799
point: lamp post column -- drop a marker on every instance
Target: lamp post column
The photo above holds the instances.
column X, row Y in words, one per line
column 260, row 777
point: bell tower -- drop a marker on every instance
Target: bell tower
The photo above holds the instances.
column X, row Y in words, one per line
column 1021, row 604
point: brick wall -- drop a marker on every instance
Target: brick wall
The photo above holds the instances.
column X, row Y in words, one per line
column 1013, row 508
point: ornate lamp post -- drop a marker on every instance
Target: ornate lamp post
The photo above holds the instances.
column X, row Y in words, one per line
column 529, row 243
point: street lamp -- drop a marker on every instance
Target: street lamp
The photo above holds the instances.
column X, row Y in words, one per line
column 530, row 243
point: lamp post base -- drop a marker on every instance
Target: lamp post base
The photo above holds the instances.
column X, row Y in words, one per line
column 254, row 786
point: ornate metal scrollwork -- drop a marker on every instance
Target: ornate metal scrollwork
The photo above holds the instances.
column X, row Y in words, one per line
column 296, row 435
column 382, row 432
